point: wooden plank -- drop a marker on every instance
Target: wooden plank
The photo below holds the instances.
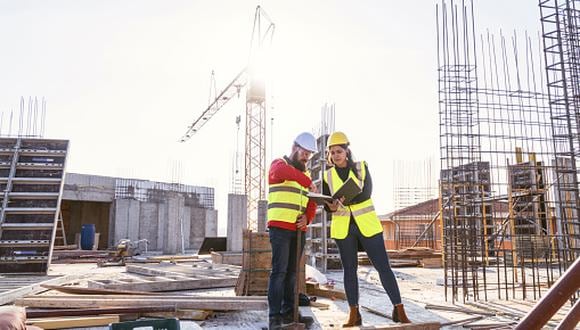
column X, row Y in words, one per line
column 160, row 298
column 314, row 289
column 73, row 322
column 80, row 290
column 222, row 304
column 194, row 270
column 319, row 305
column 96, row 311
column 183, row 314
column 409, row 326
column 168, row 285
column 199, row 273
column 172, row 257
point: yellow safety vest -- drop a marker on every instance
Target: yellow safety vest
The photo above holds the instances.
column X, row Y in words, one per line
column 364, row 213
column 286, row 201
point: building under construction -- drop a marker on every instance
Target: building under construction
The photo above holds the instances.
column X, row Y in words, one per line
column 490, row 239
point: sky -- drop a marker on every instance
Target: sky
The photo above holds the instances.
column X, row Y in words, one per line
column 123, row 79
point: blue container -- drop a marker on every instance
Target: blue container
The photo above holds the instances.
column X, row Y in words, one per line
column 87, row 236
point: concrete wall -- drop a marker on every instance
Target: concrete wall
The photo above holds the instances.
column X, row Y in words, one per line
column 93, row 188
column 165, row 225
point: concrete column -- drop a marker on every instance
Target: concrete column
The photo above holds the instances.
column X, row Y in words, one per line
column 197, row 227
column 211, row 223
column 121, row 219
column 187, row 227
column 133, row 218
column 262, row 215
column 148, row 224
column 112, row 225
column 237, row 221
column 173, row 232
column 161, row 227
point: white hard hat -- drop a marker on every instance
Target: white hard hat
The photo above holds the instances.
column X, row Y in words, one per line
column 306, row 141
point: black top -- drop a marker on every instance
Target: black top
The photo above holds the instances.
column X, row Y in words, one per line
column 343, row 174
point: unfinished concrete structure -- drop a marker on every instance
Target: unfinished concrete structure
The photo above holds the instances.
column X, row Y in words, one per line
column 171, row 217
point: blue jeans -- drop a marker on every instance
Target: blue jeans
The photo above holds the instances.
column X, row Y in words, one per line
column 375, row 248
column 283, row 276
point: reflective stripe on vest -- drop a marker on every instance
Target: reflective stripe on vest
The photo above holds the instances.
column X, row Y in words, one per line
column 364, row 213
column 286, row 201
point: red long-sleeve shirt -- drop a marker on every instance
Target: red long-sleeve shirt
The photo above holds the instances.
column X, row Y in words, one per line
column 281, row 171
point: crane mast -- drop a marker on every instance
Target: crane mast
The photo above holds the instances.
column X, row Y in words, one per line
column 251, row 79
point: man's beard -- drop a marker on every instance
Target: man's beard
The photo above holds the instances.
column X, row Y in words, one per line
column 294, row 161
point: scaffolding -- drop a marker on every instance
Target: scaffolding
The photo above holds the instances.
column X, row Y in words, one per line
column 508, row 182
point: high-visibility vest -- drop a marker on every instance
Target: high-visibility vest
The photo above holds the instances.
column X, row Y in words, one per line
column 363, row 213
column 286, row 201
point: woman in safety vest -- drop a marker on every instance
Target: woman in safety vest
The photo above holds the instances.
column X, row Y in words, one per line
column 356, row 222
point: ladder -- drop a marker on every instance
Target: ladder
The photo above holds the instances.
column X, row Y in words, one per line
column 60, row 233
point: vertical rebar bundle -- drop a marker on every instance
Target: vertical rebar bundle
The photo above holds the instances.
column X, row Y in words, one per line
column 508, row 182
column 31, row 119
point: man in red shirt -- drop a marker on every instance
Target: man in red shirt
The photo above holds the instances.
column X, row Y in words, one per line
column 289, row 210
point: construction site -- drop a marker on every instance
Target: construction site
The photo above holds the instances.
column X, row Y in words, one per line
column 483, row 233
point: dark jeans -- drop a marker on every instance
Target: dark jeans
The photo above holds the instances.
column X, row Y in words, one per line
column 375, row 248
column 283, row 276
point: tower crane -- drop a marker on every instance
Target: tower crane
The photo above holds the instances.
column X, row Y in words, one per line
column 250, row 80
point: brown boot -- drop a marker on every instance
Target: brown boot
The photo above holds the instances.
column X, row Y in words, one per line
column 399, row 314
column 354, row 318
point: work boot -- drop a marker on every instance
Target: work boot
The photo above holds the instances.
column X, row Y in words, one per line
column 288, row 318
column 274, row 322
column 354, row 318
column 399, row 314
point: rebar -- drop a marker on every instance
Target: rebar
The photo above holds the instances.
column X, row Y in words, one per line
column 509, row 140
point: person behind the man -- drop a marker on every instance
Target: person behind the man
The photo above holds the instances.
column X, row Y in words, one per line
column 289, row 210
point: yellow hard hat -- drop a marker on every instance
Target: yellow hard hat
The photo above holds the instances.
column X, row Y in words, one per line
column 337, row 138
